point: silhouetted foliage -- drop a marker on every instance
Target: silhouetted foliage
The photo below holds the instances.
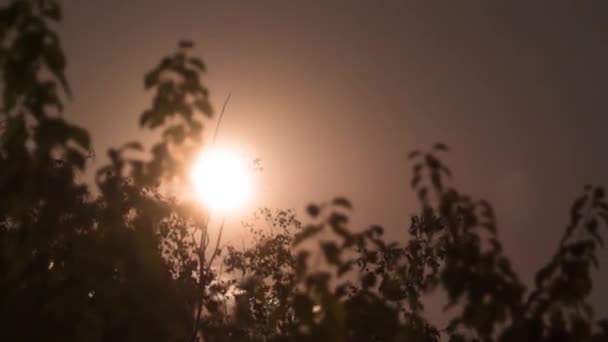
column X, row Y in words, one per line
column 132, row 263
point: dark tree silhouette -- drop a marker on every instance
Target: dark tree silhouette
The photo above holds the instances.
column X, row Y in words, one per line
column 131, row 263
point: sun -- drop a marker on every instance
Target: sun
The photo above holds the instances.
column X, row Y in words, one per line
column 221, row 179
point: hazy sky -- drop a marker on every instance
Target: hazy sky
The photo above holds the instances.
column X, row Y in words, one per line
column 332, row 96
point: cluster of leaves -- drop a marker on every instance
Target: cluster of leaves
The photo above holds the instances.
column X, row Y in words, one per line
column 133, row 263
column 74, row 266
column 361, row 288
column 39, row 155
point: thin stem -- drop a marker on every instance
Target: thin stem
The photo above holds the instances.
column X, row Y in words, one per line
column 219, row 120
column 201, row 277
column 204, row 242
column 217, row 243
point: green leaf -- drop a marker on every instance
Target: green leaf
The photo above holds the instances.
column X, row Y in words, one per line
column 440, row 147
column 186, row 44
column 175, row 134
column 342, row 202
column 413, row 154
column 81, row 136
column 337, row 220
column 368, row 280
column 306, row 233
column 152, row 78
column 204, row 107
column 331, row 252
column 198, row 63
column 391, row 289
column 52, row 10
column 75, row 158
column 313, row 210
column 133, row 145
column 56, row 63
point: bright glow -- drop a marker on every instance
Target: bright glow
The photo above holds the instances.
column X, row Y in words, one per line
column 221, row 180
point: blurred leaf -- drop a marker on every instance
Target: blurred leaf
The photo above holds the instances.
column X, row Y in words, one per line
column 313, row 210
column 331, row 252
column 306, row 233
column 133, row 145
column 368, row 280
column 197, row 62
column 186, row 44
column 440, row 147
column 342, row 202
column 413, row 154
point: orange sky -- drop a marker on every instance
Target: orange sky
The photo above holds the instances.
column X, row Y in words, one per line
column 332, row 97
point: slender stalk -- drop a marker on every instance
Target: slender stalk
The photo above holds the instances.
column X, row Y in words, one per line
column 219, row 119
column 202, row 281
column 201, row 278
column 217, row 243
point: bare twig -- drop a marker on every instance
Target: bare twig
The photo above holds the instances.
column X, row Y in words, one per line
column 204, row 243
column 201, row 278
column 217, row 243
column 219, row 120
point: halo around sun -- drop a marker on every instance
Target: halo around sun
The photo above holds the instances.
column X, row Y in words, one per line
column 221, row 179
